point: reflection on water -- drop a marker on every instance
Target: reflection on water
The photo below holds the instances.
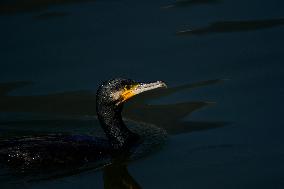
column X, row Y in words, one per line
column 68, row 103
column 16, row 6
column 173, row 124
column 234, row 26
column 8, row 87
column 187, row 3
column 117, row 176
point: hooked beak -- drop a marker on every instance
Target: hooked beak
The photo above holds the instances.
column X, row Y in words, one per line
column 140, row 88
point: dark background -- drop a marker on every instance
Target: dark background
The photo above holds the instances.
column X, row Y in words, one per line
column 59, row 47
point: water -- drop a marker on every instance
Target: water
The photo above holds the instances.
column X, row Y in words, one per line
column 225, row 125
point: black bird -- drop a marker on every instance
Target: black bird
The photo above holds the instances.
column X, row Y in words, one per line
column 53, row 151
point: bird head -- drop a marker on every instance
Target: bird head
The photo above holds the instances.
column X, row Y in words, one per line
column 117, row 91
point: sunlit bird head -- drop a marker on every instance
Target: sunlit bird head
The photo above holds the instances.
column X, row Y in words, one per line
column 117, row 91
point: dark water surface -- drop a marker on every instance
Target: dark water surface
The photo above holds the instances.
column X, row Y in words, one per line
column 223, row 62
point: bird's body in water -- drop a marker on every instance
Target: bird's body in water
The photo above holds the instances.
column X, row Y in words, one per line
column 55, row 151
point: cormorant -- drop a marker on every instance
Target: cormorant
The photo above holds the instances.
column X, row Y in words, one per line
column 64, row 151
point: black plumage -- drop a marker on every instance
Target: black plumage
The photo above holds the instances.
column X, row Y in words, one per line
column 53, row 151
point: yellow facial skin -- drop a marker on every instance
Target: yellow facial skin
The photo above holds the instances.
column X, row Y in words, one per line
column 128, row 93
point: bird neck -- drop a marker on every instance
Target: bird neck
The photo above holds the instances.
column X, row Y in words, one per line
column 118, row 134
